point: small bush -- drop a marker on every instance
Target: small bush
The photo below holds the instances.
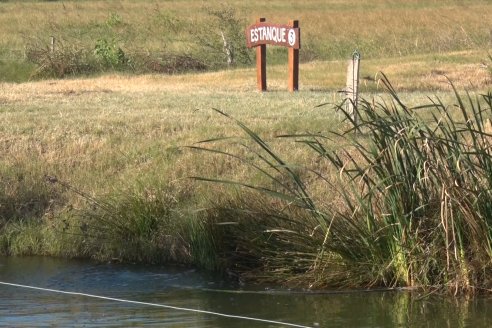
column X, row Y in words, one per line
column 110, row 55
column 114, row 19
column 222, row 41
column 65, row 59
column 145, row 224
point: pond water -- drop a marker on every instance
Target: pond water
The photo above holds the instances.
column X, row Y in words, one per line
column 180, row 287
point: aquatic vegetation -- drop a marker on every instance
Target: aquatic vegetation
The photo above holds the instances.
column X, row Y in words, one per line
column 417, row 193
column 409, row 205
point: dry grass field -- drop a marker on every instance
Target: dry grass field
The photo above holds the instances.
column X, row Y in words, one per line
column 149, row 33
column 410, row 26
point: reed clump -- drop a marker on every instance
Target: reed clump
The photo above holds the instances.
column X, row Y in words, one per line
column 416, row 194
column 408, row 205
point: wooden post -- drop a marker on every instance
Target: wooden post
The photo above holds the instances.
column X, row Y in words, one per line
column 261, row 64
column 352, row 88
column 294, row 63
column 52, row 44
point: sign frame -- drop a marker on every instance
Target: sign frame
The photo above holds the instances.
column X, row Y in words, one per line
column 277, row 35
column 260, row 34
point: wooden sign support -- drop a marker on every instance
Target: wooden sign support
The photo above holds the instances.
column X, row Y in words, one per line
column 261, row 63
column 261, row 34
column 294, row 63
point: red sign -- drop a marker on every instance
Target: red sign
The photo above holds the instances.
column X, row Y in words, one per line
column 279, row 35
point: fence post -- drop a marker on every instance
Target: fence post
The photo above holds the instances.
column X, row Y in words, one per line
column 261, row 63
column 52, row 44
column 294, row 63
column 352, row 88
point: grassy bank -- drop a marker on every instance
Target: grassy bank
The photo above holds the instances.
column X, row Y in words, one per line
column 172, row 37
column 101, row 168
column 201, row 169
column 118, row 139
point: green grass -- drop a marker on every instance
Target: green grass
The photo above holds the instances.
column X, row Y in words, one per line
column 15, row 71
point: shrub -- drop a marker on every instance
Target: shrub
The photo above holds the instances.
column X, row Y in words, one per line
column 222, row 41
column 110, row 54
column 65, row 59
column 417, row 194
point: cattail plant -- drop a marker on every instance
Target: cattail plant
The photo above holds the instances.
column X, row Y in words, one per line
column 415, row 206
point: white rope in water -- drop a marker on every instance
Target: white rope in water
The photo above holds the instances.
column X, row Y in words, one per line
column 156, row 305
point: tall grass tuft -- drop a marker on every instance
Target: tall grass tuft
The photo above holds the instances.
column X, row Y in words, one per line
column 409, row 205
column 142, row 224
column 24, row 195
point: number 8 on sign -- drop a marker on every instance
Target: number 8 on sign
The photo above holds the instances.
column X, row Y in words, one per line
column 292, row 38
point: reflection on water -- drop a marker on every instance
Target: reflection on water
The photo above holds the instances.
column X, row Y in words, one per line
column 188, row 288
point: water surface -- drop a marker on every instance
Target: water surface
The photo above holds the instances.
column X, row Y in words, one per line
column 187, row 288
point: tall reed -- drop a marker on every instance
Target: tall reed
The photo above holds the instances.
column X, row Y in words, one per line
column 417, row 193
column 414, row 200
